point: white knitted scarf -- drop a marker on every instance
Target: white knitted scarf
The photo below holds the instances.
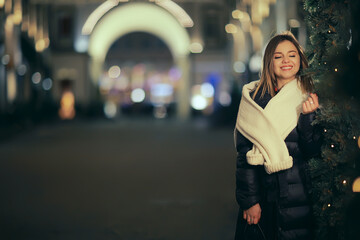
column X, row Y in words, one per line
column 267, row 128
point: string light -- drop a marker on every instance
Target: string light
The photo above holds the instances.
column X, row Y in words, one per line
column 344, row 182
column 329, row 205
column 332, row 145
column 336, row 69
column 325, row 130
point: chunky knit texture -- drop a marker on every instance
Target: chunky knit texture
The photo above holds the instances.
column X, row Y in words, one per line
column 267, row 128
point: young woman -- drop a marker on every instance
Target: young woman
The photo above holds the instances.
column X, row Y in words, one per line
column 273, row 139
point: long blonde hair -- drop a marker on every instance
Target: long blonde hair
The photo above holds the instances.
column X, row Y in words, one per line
column 268, row 78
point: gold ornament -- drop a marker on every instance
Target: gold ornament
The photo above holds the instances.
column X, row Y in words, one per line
column 359, row 142
column 356, row 185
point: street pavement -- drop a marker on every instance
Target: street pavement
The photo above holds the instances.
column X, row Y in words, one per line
column 133, row 179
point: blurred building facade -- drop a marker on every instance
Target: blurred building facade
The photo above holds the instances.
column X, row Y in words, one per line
column 163, row 57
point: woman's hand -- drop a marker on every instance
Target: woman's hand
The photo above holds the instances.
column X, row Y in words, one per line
column 311, row 104
column 253, row 214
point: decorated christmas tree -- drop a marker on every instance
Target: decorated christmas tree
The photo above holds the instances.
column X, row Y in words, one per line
column 333, row 51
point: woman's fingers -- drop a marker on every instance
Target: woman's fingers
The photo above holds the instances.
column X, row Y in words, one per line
column 253, row 214
column 315, row 98
column 306, row 107
column 249, row 219
column 252, row 220
column 311, row 104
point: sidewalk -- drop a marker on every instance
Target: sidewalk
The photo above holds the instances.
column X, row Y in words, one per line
column 132, row 179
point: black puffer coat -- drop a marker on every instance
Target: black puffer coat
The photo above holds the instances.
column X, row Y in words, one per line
column 286, row 208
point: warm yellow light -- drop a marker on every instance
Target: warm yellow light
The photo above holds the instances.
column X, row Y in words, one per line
column 67, row 103
column 47, row 42
column 2, row 3
column 153, row 20
column 230, row 28
column 11, row 85
column 96, row 15
column 17, row 12
column 196, row 47
column 256, row 15
column 356, row 185
column 257, row 38
column 114, row 71
column 264, row 9
column 178, row 12
column 236, row 14
column 40, row 45
column 245, row 21
column 9, row 23
column 17, row 17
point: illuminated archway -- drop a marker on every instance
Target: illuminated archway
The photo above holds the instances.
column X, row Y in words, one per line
column 143, row 17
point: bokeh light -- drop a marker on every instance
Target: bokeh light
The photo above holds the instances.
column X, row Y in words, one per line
column 36, row 78
column 21, row 70
column 137, row 95
column 255, row 63
column 356, row 185
column 198, row 102
column 67, row 106
column 110, row 109
column 47, row 84
column 230, row 28
column 207, row 90
column 239, row 67
column 5, row 59
column 114, row 71
column 224, row 98
column 196, row 47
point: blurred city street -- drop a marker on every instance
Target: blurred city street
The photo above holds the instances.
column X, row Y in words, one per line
column 117, row 116
column 125, row 179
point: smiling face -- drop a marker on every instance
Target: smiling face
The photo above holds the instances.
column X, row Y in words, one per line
column 286, row 62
